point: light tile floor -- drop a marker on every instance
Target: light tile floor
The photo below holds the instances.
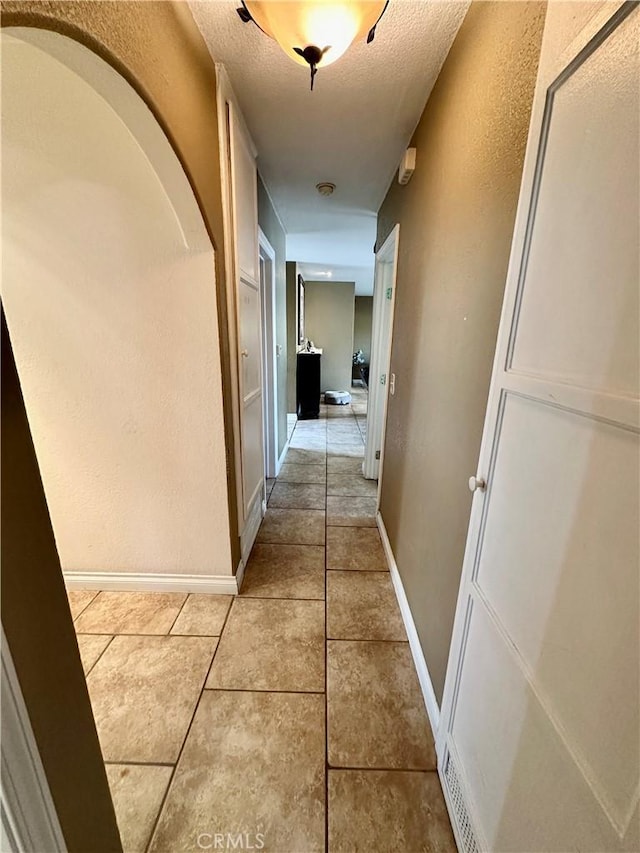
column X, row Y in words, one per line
column 290, row 714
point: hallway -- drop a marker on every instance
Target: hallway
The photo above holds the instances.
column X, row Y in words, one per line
column 221, row 715
column 200, row 238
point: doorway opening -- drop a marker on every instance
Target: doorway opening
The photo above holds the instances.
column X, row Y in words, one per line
column 381, row 384
column 267, row 257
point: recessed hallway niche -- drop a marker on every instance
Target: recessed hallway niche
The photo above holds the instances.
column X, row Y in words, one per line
column 109, row 291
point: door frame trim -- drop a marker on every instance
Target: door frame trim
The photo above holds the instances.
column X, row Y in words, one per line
column 387, row 253
column 267, row 255
column 226, row 101
column 28, row 814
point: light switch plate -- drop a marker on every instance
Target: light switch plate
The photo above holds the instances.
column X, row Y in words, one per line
column 392, row 384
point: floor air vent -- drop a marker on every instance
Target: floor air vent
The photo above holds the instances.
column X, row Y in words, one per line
column 461, row 815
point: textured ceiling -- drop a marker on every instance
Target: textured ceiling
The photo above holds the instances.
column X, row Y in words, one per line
column 351, row 130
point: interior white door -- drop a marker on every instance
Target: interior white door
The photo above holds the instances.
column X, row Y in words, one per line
column 249, row 318
column 269, row 355
column 382, row 325
column 538, row 744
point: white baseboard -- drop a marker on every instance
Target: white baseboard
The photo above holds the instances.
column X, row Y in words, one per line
column 251, row 526
column 428, row 693
column 240, row 574
column 152, row 582
column 280, row 461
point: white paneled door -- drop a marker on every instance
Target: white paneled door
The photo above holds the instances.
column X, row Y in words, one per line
column 381, row 340
column 539, row 738
column 249, row 325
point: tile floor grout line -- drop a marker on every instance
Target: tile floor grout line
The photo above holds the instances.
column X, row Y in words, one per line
column 92, row 667
column 289, row 544
column 362, row 571
column 262, row 690
column 383, row 769
column 181, row 608
column 348, row 496
column 279, row 506
column 184, row 741
column 342, row 640
column 278, row 598
column 141, row 763
column 148, row 636
column 362, row 640
column 199, row 636
column 303, row 483
column 88, row 604
column 298, row 544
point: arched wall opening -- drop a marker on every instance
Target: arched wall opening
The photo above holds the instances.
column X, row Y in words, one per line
column 108, row 286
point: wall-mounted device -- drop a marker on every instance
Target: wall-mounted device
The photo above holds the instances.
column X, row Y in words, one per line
column 407, row 166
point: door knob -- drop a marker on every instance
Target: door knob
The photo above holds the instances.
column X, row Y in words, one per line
column 244, row 353
column 477, row 483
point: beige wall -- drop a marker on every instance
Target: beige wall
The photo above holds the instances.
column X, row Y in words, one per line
column 329, row 310
column 456, row 219
column 179, row 90
column 116, row 335
column 274, row 232
column 362, row 321
column 292, row 333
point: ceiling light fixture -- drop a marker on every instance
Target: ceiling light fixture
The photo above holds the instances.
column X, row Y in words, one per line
column 314, row 32
column 325, row 188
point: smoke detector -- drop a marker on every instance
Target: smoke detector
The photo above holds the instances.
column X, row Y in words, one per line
column 325, row 188
column 407, row 166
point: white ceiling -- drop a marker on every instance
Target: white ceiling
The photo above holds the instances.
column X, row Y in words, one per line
column 351, row 130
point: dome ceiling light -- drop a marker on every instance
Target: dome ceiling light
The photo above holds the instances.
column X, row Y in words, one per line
column 314, row 32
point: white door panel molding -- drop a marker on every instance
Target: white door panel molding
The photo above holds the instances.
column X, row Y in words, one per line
column 384, row 296
column 538, row 744
column 240, row 202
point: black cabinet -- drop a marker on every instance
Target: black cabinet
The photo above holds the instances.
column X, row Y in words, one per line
column 308, row 384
